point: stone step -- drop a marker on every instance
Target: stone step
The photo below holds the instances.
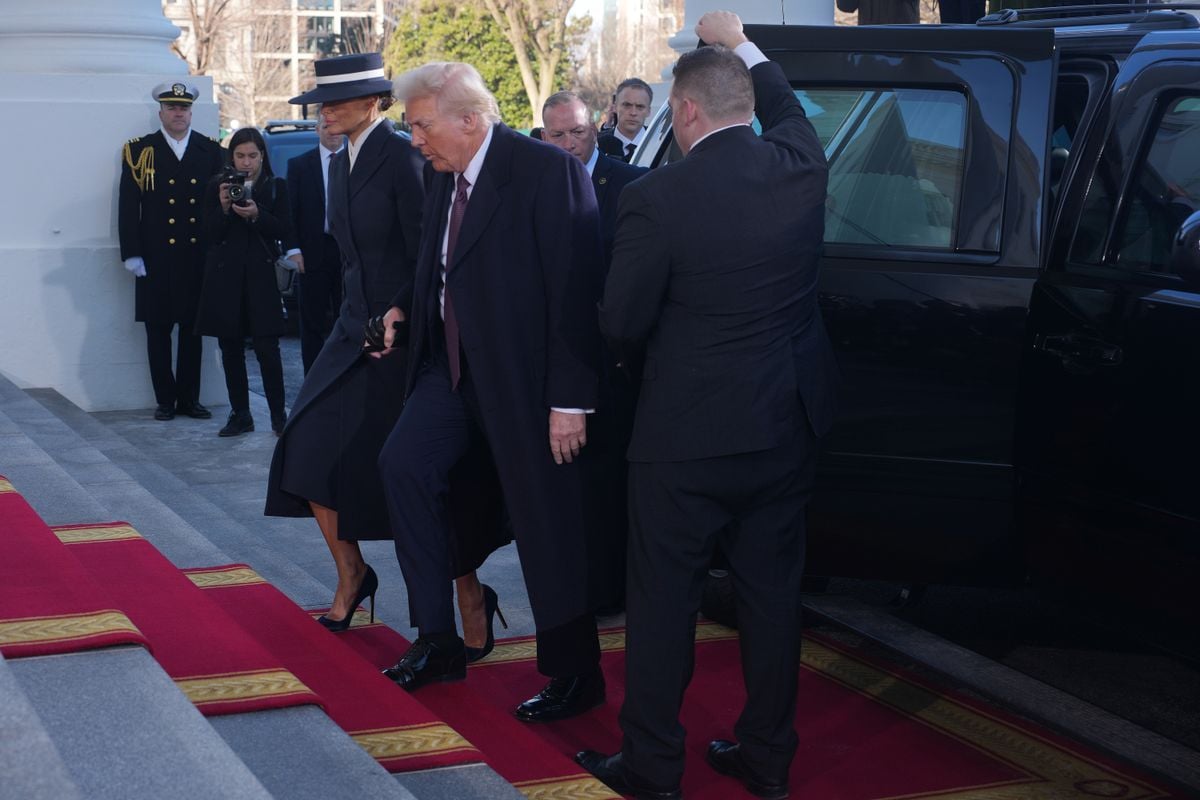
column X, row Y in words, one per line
column 125, row 732
column 30, row 764
column 89, row 458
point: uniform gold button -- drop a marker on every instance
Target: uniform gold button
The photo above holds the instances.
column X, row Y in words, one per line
column 192, row 220
column 193, row 240
column 170, row 241
column 171, row 201
column 171, row 221
column 191, row 200
column 171, row 181
column 193, row 181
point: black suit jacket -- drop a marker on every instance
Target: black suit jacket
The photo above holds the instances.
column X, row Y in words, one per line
column 525, row 280
column 610, row 145
column 715, row 267
column 609, row 177
column 307, row 186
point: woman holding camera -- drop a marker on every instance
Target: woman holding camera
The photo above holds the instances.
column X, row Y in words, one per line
column 246, row 216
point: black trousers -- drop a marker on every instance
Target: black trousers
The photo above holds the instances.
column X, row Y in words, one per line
column 233, row 358
column 318, row 298
column 433, row 434
column 753, row 505
column 182, row 386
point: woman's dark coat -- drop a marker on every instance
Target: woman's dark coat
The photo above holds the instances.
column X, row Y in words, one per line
column 239, row 268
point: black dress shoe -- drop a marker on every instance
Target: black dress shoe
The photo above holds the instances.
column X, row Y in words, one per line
column 726, row 758
column 239, row 422
column 563, row 697
column 491, row 607
column 193, row 410
column 426, row 662
column 164, row 412
column 277, row 423
column 610, row 770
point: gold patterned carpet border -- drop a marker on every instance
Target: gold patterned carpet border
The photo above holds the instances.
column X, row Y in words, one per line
column 411, row 741
column 64, row 627
column 234, row 575
column 570, row 787
column 6, row 487
column 238, row 687
column 85, row 534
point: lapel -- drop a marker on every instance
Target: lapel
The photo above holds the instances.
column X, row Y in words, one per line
column 485, row 197
column 339, row 212
column 601, row 178
column 370, row 158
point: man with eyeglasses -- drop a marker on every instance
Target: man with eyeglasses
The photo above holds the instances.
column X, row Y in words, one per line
column 632, row 102
column 567, row 124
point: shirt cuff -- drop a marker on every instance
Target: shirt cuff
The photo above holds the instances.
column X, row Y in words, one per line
column 749, row 53
column 292, row 252
column 573, row 410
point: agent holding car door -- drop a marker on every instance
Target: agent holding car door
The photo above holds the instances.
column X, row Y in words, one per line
column 715, row 271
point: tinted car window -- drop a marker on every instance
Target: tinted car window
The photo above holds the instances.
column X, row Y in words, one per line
column 1165, row 189
column 895, row 163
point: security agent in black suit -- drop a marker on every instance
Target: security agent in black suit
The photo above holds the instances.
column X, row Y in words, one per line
column 163, row 177
column 715, row 268
column 567, row 125
column 319, row 289
column 631, row 102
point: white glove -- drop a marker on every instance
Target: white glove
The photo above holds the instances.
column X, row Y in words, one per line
column 136, row 265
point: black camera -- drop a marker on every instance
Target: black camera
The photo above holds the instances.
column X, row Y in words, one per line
column 239, row 192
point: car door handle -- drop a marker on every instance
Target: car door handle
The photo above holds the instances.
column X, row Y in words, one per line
column 1079, row 349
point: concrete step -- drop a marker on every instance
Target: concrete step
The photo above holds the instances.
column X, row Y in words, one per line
column 30, row 764
column 319, row 760
column 125, row 732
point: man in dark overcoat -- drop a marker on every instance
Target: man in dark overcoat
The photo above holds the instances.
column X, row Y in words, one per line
column 319, row 288
column 715, row 270
column 163, row 177
column 504, row 345
column 567, row 124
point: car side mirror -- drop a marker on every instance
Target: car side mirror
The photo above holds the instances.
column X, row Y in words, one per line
column 1185, row 251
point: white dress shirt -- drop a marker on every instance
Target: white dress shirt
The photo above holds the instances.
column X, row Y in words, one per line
column 178, row 146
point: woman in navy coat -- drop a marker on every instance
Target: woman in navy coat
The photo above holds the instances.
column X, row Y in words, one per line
column 325, row 463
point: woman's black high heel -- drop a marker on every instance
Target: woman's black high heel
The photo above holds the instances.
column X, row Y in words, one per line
column 491, row 608
column 368, row 587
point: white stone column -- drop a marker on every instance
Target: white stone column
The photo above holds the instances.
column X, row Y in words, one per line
column 758, row 12
column 75, row 81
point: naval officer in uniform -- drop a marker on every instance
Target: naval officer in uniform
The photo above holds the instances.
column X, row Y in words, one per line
column 163, row 176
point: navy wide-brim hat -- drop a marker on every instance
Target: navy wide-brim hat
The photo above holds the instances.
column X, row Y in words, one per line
column 346, row 77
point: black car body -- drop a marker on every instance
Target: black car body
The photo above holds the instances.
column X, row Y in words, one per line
column 1020, row 363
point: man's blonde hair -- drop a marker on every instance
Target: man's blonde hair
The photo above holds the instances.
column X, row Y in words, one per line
column 457, row 87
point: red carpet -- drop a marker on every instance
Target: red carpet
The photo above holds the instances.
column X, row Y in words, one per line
column 868, row 730
column 389, row 723
column 209, row 656
column 48, row 602
column 541, row 769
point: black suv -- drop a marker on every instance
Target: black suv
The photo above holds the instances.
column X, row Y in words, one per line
column 1020, row 349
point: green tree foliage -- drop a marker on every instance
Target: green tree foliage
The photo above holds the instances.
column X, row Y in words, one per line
column 444, row 30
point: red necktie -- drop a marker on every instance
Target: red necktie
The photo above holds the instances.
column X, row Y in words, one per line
column 450, row 322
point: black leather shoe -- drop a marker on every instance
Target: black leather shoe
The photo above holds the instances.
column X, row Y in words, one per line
column 239, row 422
column 426, row 662
column 164, row 412
column 610, row 770
column 563, row 697
column 277, row 423
column 193, row 410
column 491, row 607
column 726, row 758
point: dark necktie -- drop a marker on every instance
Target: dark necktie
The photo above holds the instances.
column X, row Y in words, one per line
column 629, row 148
column 450, row 322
